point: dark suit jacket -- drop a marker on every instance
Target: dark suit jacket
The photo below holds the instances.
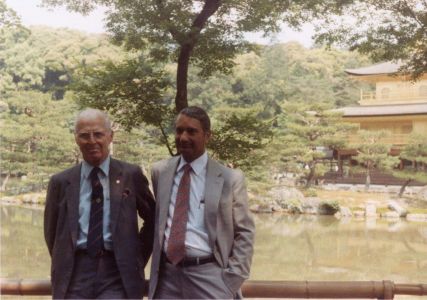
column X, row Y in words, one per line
column 228, row 221
column 129, row 195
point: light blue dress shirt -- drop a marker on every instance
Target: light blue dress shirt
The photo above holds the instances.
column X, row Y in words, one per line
column 84, row 203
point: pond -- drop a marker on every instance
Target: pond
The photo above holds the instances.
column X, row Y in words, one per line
column 287, row 247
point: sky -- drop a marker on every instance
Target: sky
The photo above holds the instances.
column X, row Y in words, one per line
column 31, row 13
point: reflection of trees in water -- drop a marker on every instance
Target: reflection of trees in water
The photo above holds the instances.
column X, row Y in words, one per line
column 288, row 247
column 24, row 254
column 313, row 248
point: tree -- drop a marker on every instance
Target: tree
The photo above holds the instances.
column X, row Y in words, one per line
column 416, row 153
column 237, row 136
column 373, row 153
column 132, row 90
column 207, row 33
column 36, row 137
column 11, row 32
column 45, row 59
column 384, row 29
column 305, row 133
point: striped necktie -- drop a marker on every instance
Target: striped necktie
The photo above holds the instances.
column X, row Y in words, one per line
column 95, row 240
column 176, row 243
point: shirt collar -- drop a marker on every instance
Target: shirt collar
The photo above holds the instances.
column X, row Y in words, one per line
column 87, row 168
column 198, row 165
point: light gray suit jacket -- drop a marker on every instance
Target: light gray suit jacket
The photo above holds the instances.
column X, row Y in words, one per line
column 129, row 196
column 230, row 226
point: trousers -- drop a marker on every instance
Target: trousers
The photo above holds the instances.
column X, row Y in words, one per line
column 192, row 282
column 95, row 278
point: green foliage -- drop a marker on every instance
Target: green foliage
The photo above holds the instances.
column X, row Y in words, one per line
column 416, row 153
column 45, row 58
column 373, row 152
column 137, row 91
column 237, row 136
column 329, row 207
column 384, row 29
column 36, row 137
column 131, row 90
column 305, row 134
column 310, row 192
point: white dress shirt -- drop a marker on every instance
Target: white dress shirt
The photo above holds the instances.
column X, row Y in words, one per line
column 196, row 237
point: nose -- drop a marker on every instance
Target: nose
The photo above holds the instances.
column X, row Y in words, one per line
column 183, row 136
column 92, row 139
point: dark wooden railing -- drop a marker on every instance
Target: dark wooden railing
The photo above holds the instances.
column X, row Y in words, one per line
column 266, row 289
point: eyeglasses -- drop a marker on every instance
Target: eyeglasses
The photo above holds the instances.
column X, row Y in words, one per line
column 86, row 136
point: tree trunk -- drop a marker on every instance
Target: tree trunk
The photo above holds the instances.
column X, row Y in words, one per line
column 187, row 46
column 310, row 177
column 3, row 185
column 403, row 187
column 368, row 179
column 181, row 100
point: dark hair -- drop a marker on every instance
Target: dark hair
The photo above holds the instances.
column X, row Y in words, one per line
column 198, row 113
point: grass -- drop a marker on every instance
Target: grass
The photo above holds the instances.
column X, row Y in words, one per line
column 357, row 200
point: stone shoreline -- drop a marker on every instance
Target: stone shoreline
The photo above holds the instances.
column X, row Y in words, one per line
column 286, row 199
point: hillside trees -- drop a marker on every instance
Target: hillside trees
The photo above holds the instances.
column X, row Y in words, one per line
column 45, row 59
column 36, row 137
column 206, row 33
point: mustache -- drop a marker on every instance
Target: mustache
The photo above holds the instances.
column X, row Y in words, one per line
column 183, row 144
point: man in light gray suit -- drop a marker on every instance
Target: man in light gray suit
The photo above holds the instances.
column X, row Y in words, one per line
column 91, row 220
column 204, row 234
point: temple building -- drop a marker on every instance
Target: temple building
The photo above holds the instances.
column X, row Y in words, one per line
column 396, row 104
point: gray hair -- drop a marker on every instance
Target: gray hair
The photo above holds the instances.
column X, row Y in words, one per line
column 92, row 113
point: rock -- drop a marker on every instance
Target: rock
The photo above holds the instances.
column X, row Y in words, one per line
column 254, row 208
column 27, row 198
column 396, row 207
column 8, row 199
column 417, row 217
column 285, row 193
column 390, row 215
column 310, row 205
column 344, row 212
column 276, row 208
column 294, row 206
column 359, row 214
column 422, row 193
column 370, row 209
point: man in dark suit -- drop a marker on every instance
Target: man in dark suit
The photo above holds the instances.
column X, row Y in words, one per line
column 91, row 220
column 204, row 233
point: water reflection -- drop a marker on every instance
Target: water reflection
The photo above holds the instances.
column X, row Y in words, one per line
column 23, row 251
column 287, row 248
column 324, row 248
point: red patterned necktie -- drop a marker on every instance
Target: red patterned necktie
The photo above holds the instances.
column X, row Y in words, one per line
column 176, row 244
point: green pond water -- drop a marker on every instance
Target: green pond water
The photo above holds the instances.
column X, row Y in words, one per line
column 287, row 248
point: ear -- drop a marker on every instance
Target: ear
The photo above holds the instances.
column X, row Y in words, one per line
column 208, row 135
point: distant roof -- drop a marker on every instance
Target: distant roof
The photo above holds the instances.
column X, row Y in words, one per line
column 378, row 69
column 384, row 110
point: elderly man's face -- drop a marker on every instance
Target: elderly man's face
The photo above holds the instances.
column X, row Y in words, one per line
column 190, row 138
column 93, row 139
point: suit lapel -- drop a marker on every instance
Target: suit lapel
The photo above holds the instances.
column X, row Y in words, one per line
column 72, row 196
column 164, row 193
column 213, row 191
column 116, row 191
